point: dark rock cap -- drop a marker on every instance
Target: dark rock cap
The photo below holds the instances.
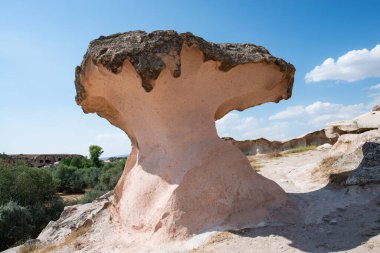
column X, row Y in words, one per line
column 143, row 50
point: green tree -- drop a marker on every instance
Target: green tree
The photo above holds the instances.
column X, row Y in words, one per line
column 95, row 153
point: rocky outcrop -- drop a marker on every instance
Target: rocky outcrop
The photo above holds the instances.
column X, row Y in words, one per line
column 40, row 160
column 365, row 122
column 264, row 146
column 368, row 171
column 73, row 218
column 165, row 90
column 354, row 159
column 376, row 108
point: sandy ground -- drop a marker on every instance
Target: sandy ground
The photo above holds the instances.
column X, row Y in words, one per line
column 332, row 219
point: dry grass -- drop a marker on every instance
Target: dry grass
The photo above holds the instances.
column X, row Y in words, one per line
column 219, row 237
column 300, row 149
column 325, row 168
column 256, row 166
column 329, row 170
column 71, row 197
column 28, row 248
column 274, row 154
column 71, row 239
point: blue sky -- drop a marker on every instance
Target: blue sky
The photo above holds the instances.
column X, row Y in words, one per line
column 41, row 42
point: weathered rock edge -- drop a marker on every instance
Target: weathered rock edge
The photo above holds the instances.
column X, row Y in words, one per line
column 144, row 51
column 264, row 146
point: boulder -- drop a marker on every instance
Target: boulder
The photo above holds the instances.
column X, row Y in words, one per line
column 165, row 90
column 376, row 108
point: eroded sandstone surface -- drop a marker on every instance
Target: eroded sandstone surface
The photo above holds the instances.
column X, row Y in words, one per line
column 165, row 90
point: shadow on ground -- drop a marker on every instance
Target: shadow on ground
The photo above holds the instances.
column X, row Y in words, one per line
column 352, row 213
column 343, row 229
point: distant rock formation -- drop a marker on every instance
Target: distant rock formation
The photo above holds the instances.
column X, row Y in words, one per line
column 363, row 123
column 165, row 90
column 39, row 160
column 264, row 146
column 376, row 108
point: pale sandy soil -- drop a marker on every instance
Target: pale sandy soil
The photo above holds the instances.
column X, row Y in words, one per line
column 332, row 219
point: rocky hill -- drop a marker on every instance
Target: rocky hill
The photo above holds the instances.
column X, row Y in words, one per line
column 38, row 160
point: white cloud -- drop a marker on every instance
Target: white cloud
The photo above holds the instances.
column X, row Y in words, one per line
column 318, row 114
column 289, row 112
column 375, row 87
column 354, row 65
column 241, row 128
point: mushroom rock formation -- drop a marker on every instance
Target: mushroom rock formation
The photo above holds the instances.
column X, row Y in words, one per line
column 165, row 90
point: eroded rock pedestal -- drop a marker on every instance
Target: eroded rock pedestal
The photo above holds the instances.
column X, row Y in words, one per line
column 165, row 90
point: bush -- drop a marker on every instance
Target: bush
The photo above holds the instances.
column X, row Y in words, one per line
column 106, row 180
column 15, row 224
column 69, row 179
column 90, row 176
column 34, row 191
column 25, row 185
column 110, row 174
column 91, row 196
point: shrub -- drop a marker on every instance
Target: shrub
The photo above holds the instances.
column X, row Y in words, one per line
column 69, row 179
column 107, row 179
column 34, row 191
column 92, row 195
column 15, row 224
column 110, row 175
column 25, row 185
column 90, row 176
